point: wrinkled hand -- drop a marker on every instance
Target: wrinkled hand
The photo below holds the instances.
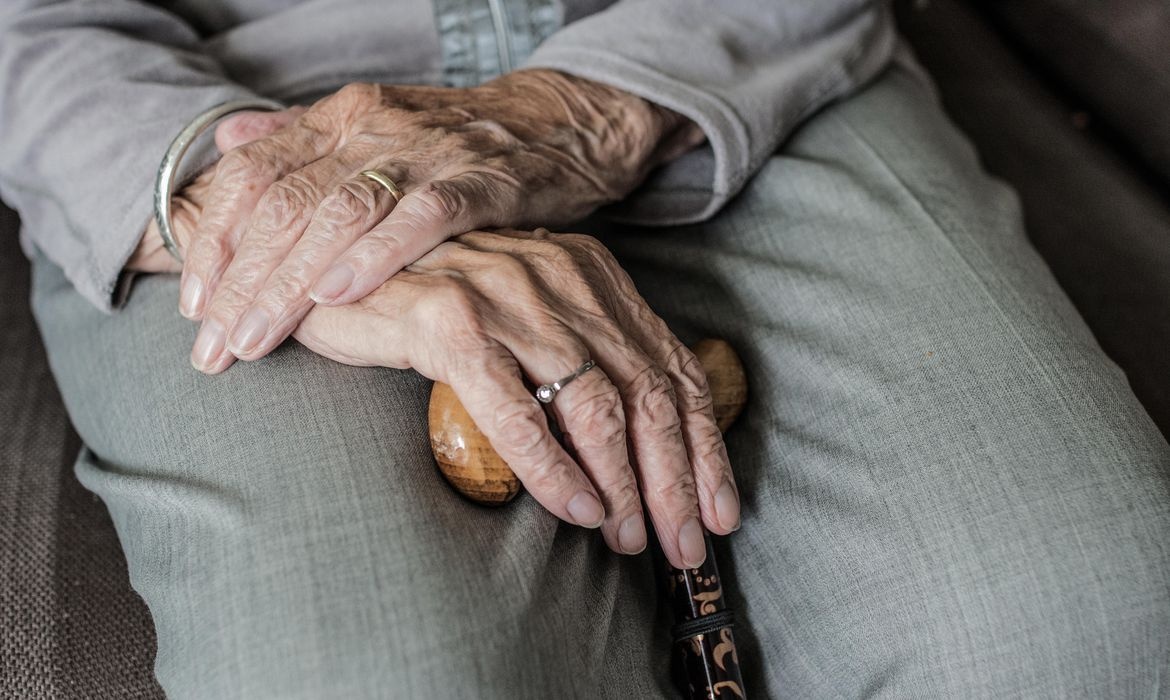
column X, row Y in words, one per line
column 485, row 310
column 290, row 221
column 187, row 204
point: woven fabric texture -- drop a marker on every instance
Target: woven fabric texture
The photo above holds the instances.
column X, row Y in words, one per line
column 70, row 625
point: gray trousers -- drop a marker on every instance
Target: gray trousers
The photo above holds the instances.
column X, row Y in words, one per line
column 949, row 489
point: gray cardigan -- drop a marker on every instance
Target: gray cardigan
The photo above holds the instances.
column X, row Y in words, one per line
column 92, row 91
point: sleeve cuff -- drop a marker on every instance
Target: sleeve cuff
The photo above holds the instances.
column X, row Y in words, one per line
column 106, row 284
column 699, row 183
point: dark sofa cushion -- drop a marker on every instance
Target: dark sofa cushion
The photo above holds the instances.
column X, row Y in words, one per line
column 70, row 625
column 1110, row 54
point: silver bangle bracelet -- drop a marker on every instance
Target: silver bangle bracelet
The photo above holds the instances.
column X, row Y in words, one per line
column 164, row 182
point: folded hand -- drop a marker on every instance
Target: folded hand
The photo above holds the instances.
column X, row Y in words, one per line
column 289, row 221
column 485, row 311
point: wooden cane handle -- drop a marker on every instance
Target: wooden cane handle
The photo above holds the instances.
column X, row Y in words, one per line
column 471, row 465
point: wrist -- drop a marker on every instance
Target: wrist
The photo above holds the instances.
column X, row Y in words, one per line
column 623, row 135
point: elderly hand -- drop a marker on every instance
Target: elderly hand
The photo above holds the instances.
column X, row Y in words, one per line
column 187, row 204
column 486, row 310
column 290, row 221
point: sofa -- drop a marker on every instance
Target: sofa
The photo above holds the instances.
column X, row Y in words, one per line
column 1065, row 99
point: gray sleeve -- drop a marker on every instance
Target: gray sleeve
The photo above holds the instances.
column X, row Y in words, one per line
column 93, row 91
column 746, row 71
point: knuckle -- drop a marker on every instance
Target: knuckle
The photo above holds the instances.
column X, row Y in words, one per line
column 623, row 490
column 600, row 419
column 496, row 133
column 350, row 204
column 242, row 164
column 653, row 395
column 372, row 143
column 229, row 298
column 495, row 191
column 377, row 247
column 285, row 204
column 552, row 256
column 455, row 142
column 208, row 251
column 520, row 425
column 437, row 201
column 284, row 290
column 450, row 308
column 690, row 376
column 677, row 490
column 547, row 476
column 503, row 271
column 556, row 253
column 708, row 448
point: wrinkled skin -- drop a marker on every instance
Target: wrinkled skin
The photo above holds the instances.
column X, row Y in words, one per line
column 291, row 222
column 484, row 310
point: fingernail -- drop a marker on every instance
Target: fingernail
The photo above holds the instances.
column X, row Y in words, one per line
column 332, row 283
column 208, row 346
column 727, row 506
column 249, row 331
column 632, row 535
column 191, row 297
column 586, row 510
column 691, row 545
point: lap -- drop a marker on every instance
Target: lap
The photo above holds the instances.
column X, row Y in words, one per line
column 288, row 528
column 946, row 483
column 949, row 488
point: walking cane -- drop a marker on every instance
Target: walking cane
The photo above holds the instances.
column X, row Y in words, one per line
column 705, row 664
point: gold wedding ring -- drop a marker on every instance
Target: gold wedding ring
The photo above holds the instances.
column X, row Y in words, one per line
column 386, row 182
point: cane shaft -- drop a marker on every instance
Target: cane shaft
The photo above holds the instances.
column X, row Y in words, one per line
column 705, row 663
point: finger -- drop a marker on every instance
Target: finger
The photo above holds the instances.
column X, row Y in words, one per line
column 354, row 207
column 424, row 218
column 245, row 127
column 592, row 420
column 589, row 412
column 653, row 421
column 491, row 389
column 718, row 494
column 242, row 177
column 644, row 397
column 280, row 219
column 659, row 454
column 366, row 335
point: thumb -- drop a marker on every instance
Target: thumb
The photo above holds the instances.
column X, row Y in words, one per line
column 244, row 127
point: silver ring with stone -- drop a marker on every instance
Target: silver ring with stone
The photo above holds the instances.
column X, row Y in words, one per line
column 545, row 393
column 164, row 181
